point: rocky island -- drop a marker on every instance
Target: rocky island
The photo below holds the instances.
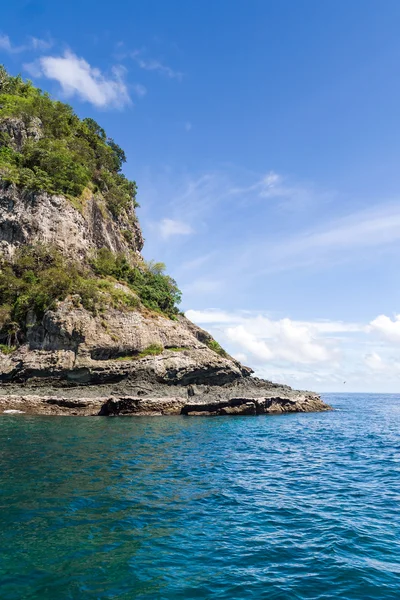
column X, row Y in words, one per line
column 87, row 327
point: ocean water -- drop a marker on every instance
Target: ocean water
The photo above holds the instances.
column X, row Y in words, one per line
column 303, row 506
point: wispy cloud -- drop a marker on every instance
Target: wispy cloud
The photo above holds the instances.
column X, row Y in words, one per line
column 78, row 78
column 202, row 196
column 198, row 261
column 289, row 195
column 151, row 64
column 39, row 44
column 202, row 286
column 139, row 90
column 32, row 44
column 339, row 240
column 263, row 323
column 255, row 238
column 171, row 227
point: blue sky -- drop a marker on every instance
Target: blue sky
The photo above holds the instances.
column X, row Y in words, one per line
column 264, row 139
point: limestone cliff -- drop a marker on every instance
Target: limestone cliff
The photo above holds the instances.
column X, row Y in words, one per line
column 70, row 345
column 124, row 340
column 28, row 217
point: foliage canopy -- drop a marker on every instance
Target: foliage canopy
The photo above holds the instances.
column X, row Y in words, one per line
column 66, row 155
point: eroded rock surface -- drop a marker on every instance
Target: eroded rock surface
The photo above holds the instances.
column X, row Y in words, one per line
column 29, row 218
column 78, row 363
column 162, row 406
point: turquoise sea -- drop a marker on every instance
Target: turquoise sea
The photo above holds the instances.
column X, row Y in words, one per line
column 303, row 506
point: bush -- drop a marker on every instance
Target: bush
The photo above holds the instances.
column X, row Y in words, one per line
column 213, row 345
column 152, row 350
column 40, row 276
column 4, row 349
column 157, row 291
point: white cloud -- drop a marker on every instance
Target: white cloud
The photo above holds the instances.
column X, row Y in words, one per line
column 264, row 324
column 289, row 341
column 211, row 316
column 268, row 340
column 32, row 44
column 149, row 64
column 328, row 355
column 247, row 341
column 387, row 328
column 387, row 366
column 170, row 227
column 78, row 78
column 374, row 361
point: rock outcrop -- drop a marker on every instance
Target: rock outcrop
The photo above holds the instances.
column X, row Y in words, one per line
column 71, row 346
column 29, row 218
column 116, row 361
column 160, row 406
column 18, row 132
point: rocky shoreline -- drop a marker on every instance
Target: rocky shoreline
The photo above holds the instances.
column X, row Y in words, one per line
column 250, row 397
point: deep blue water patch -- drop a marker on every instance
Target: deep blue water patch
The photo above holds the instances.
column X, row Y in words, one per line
column 299, row 506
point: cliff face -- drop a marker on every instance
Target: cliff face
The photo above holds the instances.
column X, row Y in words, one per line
column 28, row 218
column 70, row 345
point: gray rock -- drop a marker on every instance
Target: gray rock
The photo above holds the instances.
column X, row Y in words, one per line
column 152, row 406
column 29, row 218
column 19, row 132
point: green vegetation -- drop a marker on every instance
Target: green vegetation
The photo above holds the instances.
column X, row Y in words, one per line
column 213, row 345
column 176, row 348
column 152, row 350
column 63, row 154
column 32, row 284
column 157, row 291
column 4, row 349
column 39, row 276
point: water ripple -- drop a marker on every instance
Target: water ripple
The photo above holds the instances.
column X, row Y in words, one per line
column 291, row 507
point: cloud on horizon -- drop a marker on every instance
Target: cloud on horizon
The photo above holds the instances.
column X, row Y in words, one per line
column 302, row 352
